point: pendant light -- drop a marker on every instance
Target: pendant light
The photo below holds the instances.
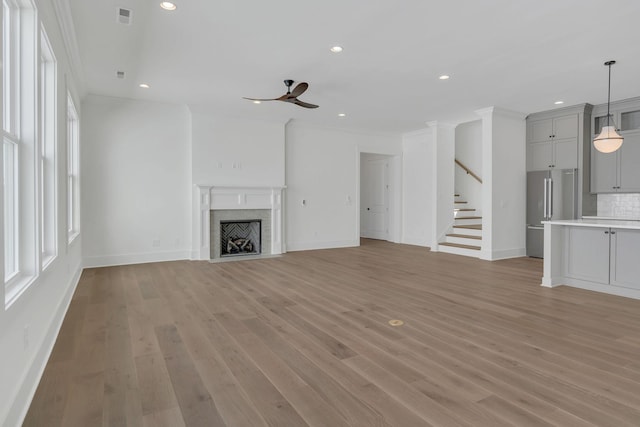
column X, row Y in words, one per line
column 609, row 140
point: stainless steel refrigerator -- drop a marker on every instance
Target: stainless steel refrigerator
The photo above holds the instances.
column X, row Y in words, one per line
column 550, row 195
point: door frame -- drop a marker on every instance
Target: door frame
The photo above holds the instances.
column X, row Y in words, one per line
column 394, row 195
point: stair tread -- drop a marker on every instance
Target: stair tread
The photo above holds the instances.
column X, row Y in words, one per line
column 471, row 226
column 458, row 245
column 465, row 236
column 468, row 217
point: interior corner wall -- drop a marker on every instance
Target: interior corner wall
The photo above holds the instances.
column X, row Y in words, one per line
column 29, row 327
column 469, row 152
column 136, row 181
column 418, row 188
column 234, row 152
column 322, row 169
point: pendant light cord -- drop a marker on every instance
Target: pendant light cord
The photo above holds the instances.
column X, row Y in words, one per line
column 609, row 93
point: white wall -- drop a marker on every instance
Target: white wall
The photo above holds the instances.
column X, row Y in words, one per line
column 136, row 194
column 28, row 328
column 323, row 168
column 504, row 195
column 418, row 188
column 231, row 152
column 469, row 152
column 444, row 175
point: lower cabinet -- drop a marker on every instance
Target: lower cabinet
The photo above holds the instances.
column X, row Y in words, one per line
column 625, row 260
column 604, row 255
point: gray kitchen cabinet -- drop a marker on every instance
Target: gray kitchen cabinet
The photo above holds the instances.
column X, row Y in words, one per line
column 625, row 268
column 553, row 143
column 604, row 255
column 588, row 254
column 617, row 171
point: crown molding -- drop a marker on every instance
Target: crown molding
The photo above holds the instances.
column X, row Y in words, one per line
column 67, row 29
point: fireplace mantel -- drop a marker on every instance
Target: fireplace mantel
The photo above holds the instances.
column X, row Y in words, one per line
column 212, row 197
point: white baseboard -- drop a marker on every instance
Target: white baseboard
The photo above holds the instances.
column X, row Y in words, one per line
column 503, row 254
column 308, row 246
column 18, row 411
column 142, row 258
column 415, row 241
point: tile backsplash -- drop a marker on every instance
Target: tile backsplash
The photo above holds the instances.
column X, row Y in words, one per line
column 625, row 205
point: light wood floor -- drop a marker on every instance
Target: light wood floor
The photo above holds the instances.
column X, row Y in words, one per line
column 304, row 340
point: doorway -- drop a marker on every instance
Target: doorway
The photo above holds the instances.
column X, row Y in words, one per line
column 374, row 196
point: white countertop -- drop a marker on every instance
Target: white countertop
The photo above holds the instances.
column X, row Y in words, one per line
column 588, row 222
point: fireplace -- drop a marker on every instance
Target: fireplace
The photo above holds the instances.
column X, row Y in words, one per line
column 239, row 238
column 215, row 205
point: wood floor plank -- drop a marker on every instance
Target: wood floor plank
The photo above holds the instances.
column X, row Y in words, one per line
column 304, row 339
column 196, row 404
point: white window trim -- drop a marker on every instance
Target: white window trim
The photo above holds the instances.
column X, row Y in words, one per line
column 47, row 152
column 73, row 171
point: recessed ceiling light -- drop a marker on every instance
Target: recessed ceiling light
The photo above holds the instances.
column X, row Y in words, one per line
column 256, row 102
column 144, row 86
column 336, row 49
column 167, row 5
column 559, row 102
column 342, row 115
column 444, row 77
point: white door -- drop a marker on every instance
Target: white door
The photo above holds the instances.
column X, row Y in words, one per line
column 375, row 199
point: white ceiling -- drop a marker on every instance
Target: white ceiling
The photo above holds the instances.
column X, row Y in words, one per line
column 518, row 55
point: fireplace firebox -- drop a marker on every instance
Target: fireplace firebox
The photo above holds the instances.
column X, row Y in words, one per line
column 240, row 237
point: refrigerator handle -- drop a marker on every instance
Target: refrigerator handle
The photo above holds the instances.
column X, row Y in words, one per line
column 550, row 198
column 544, row 201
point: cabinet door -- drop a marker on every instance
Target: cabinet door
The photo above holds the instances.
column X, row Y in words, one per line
column 565, row 127
column 604, row 171
column 630, row 163
column 625, row 268
column 565, row 153
column 588, row 254
column 540, row 130
column 540, row 156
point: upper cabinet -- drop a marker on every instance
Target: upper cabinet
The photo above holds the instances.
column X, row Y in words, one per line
column 553, row 139
column 617, row 172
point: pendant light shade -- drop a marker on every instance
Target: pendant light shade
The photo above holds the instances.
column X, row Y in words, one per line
column 609, row 140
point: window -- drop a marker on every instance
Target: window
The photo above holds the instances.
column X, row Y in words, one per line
column 47, row 153
column 73, row 170
column 19, row 137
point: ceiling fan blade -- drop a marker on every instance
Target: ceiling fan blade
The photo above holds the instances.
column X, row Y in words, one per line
column 304, row 104
column 299, row 89
column 261, row 99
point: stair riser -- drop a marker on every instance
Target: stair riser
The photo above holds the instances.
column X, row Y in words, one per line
column 468, row 231
column 463, row 241
column 464, row 214
column 459, row 251
column 466, row 221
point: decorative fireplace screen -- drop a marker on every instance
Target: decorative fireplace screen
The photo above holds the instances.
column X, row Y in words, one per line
column 240, row 237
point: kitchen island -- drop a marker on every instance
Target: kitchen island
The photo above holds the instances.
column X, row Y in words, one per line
column 597, row 254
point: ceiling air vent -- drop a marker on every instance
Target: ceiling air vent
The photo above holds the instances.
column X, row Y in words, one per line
column 124, row 16
column 120, row 74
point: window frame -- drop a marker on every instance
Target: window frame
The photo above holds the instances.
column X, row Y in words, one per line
column 47, row 153
column 73, row 170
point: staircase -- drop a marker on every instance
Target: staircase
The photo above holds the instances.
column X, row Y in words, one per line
column 466, row 237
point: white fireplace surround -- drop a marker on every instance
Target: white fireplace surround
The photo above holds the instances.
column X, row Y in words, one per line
column 211, row 197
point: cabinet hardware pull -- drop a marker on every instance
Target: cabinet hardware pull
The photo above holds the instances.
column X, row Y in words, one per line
column 606, row 232
column 613, row 232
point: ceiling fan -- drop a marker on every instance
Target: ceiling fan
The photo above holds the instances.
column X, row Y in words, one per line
column 291, row 95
